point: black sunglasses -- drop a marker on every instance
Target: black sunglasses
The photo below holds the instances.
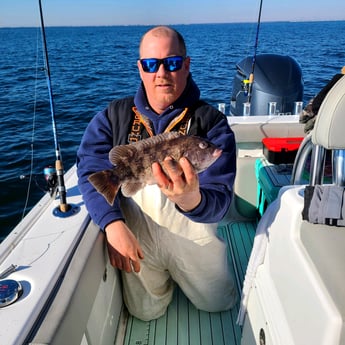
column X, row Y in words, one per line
column 171, row 64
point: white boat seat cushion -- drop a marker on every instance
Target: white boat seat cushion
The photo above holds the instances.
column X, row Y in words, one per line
column 330, row 123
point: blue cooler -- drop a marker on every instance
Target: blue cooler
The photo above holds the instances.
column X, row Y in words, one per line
column 270, row 177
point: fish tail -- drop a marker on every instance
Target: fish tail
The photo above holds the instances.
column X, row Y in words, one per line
column 106, row 183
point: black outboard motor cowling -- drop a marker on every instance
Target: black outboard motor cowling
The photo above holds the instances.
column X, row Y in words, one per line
column 277, row 78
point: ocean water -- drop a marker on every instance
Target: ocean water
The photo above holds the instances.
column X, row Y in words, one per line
column 90, row 66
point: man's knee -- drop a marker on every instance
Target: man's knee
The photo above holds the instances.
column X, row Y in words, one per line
column 217, row 302
column 147, row 314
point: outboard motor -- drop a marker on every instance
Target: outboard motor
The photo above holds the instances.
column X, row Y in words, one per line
column 277, row 78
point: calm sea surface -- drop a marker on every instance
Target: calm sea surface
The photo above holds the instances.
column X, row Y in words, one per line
column 90, row 66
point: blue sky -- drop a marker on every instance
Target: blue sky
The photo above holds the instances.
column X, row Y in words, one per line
column 152, row 12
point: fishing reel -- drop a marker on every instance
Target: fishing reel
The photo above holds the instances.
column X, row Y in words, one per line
column 245, row 84
column 51, row 179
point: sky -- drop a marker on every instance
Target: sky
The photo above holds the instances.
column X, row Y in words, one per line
column 24, row 13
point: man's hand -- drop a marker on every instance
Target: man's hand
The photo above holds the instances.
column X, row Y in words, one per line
column 124, row 250
column 179, row 182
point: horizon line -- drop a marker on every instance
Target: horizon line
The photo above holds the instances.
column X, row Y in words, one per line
column 177, row 24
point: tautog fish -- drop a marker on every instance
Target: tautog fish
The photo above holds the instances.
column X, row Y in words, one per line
column 132, row 163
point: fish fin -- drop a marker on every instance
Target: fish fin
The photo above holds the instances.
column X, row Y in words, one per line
column 129, row 189
column 118, row 153
column 157, row 139
column 106, row 183
column 121, row 153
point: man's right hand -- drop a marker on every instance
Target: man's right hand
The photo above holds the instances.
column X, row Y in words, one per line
column 124, row 250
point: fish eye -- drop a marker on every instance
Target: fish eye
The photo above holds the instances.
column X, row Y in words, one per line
column 203, row 145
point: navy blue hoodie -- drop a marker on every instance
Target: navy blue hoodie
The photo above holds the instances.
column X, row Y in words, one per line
column 216, row 182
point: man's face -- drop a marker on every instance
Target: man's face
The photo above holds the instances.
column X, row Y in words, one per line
column 162, row 87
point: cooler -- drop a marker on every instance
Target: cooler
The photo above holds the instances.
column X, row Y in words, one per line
column 271, row 178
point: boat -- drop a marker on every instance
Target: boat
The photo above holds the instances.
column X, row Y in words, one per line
column 57, row 285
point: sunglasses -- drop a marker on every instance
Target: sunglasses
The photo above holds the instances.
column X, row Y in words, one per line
column 171, row 64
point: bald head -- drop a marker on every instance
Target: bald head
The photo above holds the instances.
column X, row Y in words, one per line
column 163, row 86
column 167, row 32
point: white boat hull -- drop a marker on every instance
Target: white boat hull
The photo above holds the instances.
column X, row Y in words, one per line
column 71, row 294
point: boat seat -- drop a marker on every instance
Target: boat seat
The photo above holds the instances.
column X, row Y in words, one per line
column 329, row 126
column 325, row 139
column 325, row 244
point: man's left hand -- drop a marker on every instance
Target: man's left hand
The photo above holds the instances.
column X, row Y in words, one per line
column 179, row 182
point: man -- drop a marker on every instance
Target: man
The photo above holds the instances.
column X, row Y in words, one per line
column 166, row 233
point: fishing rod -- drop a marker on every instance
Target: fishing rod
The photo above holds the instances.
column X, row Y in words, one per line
column 64, row 207
column 250, row 81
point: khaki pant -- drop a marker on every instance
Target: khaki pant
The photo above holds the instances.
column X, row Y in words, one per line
column 176, row 249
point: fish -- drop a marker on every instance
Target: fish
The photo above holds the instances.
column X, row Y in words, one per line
column 132, row 163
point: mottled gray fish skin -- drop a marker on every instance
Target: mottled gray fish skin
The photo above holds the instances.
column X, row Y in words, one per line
column 132, row 163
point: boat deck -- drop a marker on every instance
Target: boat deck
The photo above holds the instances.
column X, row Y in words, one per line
column 183, row 323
